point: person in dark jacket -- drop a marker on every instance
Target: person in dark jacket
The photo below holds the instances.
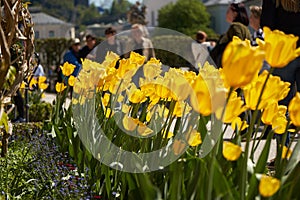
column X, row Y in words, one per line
column 237, row 16
column 90, row 44
column 72, row 56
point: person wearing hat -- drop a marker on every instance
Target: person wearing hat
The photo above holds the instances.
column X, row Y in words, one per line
column 72, row 56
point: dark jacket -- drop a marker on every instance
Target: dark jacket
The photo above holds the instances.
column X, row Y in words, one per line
column 235, row 29
column 278, row 18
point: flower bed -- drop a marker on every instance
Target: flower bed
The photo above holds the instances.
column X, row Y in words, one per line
column 160, row 134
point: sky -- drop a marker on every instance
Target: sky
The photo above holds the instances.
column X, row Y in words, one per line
column 107, row 3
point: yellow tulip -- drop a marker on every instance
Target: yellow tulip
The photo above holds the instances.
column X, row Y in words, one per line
column 126, row 67
column 41, row 82
column 169, row 135
column 241, row 63
column 67, row 69
column 125, row 108
column 235, row 106
column 137, row 58
column 294, row 109
column 129, row 123
column 60, row 87
column 32, row 82
column 231, row 151
column 152, row 68
column 286, row 152
column 109, row 113
column 279, row 123
column 178, row 147
column 274, row 91
column 43, row 86
column 269, row 113
column 194, row 138
column 238, row 124
column 280, row 48
column 105, row 99
column 268, row 186
column 71, row 80
column 136, row 96
column 143, row 130
column 42, row 79
column 111, row 59
column 22, row 86
column 202, row 101
column 147, row 88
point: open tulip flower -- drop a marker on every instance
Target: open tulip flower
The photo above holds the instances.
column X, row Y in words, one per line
column 268, row 186
column 241, row 63
column 67, row 69
column 274, row 90
column 280, row 48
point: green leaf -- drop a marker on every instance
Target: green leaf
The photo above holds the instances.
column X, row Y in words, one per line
column 259, row 168
column 294, row 159
column 222, row 185
column 4, row 121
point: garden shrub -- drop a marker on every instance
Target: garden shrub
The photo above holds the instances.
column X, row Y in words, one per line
column 40, row 112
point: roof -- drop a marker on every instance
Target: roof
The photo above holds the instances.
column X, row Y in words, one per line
column 43, row 18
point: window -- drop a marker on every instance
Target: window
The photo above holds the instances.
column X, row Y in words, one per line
column 51, row 34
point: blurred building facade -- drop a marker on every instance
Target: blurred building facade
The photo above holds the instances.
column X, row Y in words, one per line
column 46, row 26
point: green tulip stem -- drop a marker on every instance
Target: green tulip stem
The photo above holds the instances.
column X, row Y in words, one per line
column 248, row 136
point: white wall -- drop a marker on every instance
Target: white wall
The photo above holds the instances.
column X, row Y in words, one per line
column 152, row 10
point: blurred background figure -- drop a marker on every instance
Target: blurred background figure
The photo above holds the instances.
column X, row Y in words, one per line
column 200, row 49
column 237, row 16
column 72, row 56
column 111, row 43
column 90, row 44
column 254, row 22
column 39, row 70
column 254, row 19
column 139, row 43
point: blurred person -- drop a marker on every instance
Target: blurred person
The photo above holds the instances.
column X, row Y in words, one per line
column 254, row 19
column 85, row 50
column 200, row 49
column 72, row 56
column 237, row 16
column 139, row 43
column 18, row 99
column 39, row 70
column 111, row 43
